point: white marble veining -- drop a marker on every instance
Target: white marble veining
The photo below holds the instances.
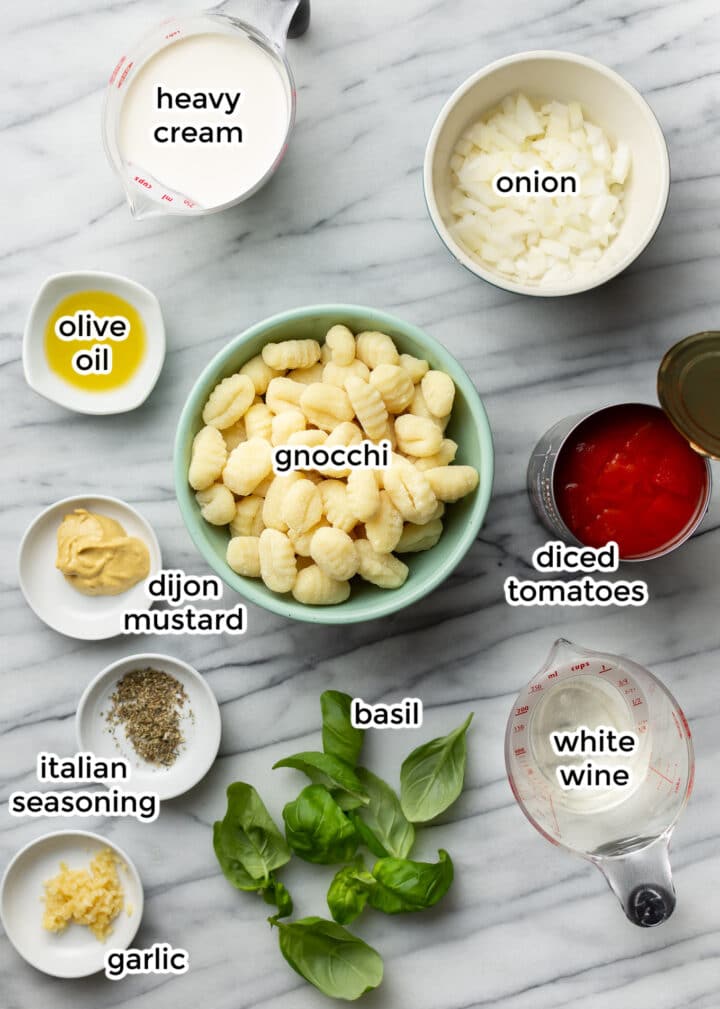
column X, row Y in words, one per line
column 525, row 926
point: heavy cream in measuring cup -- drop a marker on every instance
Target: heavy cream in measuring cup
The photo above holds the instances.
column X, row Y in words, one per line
column 207, row 117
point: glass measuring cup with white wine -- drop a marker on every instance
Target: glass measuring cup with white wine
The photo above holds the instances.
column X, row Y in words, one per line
column 600, row 759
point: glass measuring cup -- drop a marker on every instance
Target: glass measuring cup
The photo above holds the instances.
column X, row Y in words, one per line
column 625, row 835
column 267, row 24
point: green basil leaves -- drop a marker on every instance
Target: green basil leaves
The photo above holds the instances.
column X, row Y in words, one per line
column 328, row 956
column 249, row 847
column 317, row 829
column 339, row 737
column 432, row 777
column 344, row 808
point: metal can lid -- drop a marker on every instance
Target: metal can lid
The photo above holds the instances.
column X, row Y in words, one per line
column 689, row 390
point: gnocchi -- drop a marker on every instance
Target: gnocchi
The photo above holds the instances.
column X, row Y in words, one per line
column 310, row 533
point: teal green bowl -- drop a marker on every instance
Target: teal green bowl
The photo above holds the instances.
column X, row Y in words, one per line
column 469, row 427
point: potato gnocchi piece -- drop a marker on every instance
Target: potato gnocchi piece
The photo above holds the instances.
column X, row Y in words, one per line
column 285, row 424
column 314, row 588
column 258, row 422
column 334, row 553
column 416, row 538
column 278, row 568
column 384, row 570
column 410, row 491
column 347, row 433
column 335, row 505
column 385, row 528
column 207, row 458
column 375, row 348
column 302, row 507
column 450, row 483
column 217, row 504
column 394, row 385
column 417, row 436
column 290, row 354
column 229, row 401
column 363, row 494
column 264, row 486
column 248, row 520
column 247, row 466
column 301, row 541
column 243, row 555
column 439, row 392
column 306, row 376
column 443, row 457
column 369, row 408
column 418, row 407
column 341, row 342
column 311, row 437
column 416, row 367
column 326, row 406
column 274, row 500
column 284, row 394
column 235, row 434
column 259, row 373
column 338, row 374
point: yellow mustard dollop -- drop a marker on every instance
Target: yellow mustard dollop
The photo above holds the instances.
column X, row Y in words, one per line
column 97, row 556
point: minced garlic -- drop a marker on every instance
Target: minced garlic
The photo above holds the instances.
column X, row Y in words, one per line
column 91, row 897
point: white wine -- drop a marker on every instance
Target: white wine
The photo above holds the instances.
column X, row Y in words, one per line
column 589, row 701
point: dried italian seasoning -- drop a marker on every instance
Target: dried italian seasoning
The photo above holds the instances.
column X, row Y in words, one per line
column 149, row 704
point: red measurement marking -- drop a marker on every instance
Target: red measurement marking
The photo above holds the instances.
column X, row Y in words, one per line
column 143, row 182
column 580, row 665
column 125, row 73
column 553, row 675
column 663, row 776
column 166, row 197
column 607, row 669
column 624, row 682
column 536, row 688
column 171, row 35
column 519, row 728
column 116, row 71
column 636, row 702
column 520, row 751
column 522, row 711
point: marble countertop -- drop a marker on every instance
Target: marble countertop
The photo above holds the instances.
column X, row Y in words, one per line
column 525, row 926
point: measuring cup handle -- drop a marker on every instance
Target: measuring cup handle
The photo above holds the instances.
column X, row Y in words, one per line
column 301, row 20
column 642, row 881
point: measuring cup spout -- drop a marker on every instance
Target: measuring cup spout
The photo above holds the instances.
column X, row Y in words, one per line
column 278, row 19
column 639, row 873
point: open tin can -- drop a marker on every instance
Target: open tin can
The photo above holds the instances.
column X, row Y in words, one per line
column 689, row 395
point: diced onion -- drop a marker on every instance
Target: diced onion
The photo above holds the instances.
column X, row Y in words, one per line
column 538, row 238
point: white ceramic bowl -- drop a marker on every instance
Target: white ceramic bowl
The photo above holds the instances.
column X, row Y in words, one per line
column 45, row 382
column 75, row 952
column 608, row 101
column 200, row 726
column 58, row 604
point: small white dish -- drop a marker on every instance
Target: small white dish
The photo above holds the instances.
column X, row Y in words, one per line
column 57, row 603
column 44, row 381
column 200, row 725
column 75, row 952
column 610, row 102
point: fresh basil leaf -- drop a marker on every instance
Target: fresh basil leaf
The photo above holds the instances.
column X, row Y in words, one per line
column 325, row 769
column 384, row 817
column 335, row 961
column 249, row 836
column 277, row 893
column 317, row 829
column 367, row 837
column 233, row 869
column 345, row 801
column 431, row 778
column 348, row 892
column 402, row 885
column 340, row 738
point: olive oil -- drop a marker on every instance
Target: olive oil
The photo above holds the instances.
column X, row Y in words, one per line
column 95, row 340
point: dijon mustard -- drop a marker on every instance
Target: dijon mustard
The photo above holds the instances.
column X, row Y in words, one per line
column 96, row 555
